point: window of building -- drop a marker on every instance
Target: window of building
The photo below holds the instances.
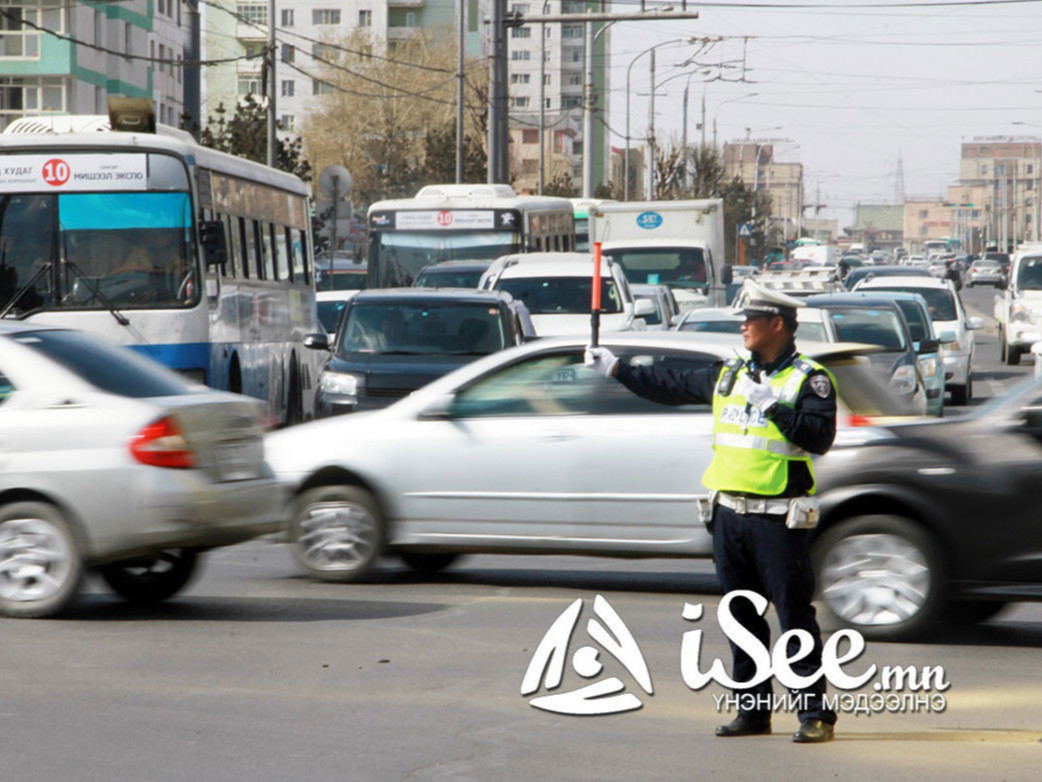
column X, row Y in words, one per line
column 519, row 103
column 319, row 87
column 522, row 55
column 365, row 18
column 529, row 136
column 1030, row 168
column 546, row 56
column 128, row 47
column 571, row 101
column 922, row 214
column 574, row 79
column 410, row 19
column 288, row 88
column 289, row 52
column 547, row 103
column 573, row 54
column 30, row 96
column 573, row 8
column 983, row 170
column 321, row 51
column 253, row 49
column 549, row 31
column 521, row 32
column 99, row 22
column 325, row 16
column 519, row 8
column 1030, row 184
column 529, row 166
column 287, row 17
column 252, row 13
column 520, row 78
column 571, row 31
column 287, row 122
column 577, row 147
column 162, row 7
column 249, row 85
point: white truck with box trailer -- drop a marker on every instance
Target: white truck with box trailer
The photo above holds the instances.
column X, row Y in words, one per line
column 675, row 243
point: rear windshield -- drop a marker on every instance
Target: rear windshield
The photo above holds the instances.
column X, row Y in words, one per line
column 448, row 278
column 560, row 295
column 115, row 370
column 713, row 326
column 940, row 302
column 863, row 390
column 873, row 326
column 422, row 328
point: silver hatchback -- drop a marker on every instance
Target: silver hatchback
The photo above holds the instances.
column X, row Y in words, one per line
column 110, row 461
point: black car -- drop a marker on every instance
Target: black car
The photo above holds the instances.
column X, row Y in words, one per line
column 392, row 341
column 933, row 522
column 451, row 274
column 878, row 320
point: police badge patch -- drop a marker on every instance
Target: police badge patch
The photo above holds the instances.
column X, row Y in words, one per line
column 821, row 385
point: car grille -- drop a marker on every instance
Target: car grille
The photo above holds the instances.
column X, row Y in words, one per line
column 387, row 393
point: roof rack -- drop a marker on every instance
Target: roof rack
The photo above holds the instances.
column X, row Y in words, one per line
column 800, row 281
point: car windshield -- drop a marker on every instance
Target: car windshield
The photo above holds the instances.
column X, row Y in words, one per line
column 448, row 278
column 329, row 314
column 1000, row 257
column 814, row 332
column 400, row 255
column 135, row 249
column 713, row 326
column 918, row 322
column 338, row 280
column 1029, row 273
column 940, row 302
column 560, row 295
column 115, row 370
column 678, row 267
column 421, row 328
column 871, row 325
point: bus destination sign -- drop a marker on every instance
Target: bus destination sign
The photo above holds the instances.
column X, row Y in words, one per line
column 445, row 219
column 72, row 172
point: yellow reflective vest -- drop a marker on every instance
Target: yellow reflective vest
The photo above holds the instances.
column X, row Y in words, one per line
column 751, row 455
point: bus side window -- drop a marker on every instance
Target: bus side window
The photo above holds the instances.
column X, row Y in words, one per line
column 229, row 268
column 253, row 250
column 296, row 252
column 282, row 253
column 240, row 252
column 305, row 254
column 266, row 250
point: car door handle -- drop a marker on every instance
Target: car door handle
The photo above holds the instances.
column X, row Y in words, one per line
column 556, row 436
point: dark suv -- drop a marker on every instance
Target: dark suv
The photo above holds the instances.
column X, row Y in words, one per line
column 392, row 341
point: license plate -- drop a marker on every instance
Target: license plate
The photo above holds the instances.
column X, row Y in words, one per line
column 239, row 460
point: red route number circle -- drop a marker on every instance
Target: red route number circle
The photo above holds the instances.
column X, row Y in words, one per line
column 56, row 172
column 444, row 218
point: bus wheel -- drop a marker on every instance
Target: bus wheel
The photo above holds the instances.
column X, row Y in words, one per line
column 295, row 402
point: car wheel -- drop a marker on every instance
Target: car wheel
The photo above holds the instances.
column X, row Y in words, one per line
column 337, row 532
column 428, row 562
column 151, row 579
column 1012, row 355
column 41, row 564
column 1003, row 348
column 959, row 395
column 880, row 575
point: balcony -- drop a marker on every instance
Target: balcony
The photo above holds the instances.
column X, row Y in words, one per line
column 405, row 3
column 401, row 33
column 251, row 67
column 249, row 32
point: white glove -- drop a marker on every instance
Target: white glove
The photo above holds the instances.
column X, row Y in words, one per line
column 601, row 360
column 759, row 395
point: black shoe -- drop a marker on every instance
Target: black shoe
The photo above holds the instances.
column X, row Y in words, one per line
column 745, row 725
column 813, row 732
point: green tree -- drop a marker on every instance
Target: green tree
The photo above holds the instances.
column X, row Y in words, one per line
column 245, row 134
column 561, row 185
column 440, row 157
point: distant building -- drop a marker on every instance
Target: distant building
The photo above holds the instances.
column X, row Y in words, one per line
column 926, row 219
column 997, row 199
column 825, row 231
column 753, row 162
column 879, row 226
column 42, row 75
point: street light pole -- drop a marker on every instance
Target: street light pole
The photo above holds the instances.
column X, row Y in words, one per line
column 724, row 103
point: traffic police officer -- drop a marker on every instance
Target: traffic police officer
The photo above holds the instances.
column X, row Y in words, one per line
column 770, row 414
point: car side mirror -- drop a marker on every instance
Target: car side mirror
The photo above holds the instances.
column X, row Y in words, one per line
column 727, row 274
column 437, row 409
column 974, row 323
column 214, row 242
column 929, row 346
column 946, row 337
column 643, row 307
column 317, row 341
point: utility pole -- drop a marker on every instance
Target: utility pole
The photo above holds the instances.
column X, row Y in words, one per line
column 651, row 133
column 272, row 86
column 461, row 21
column 589, row 101
column 193, row 102
column 542, row 105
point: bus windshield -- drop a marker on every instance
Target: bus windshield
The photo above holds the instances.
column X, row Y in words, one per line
column 677, row 267
column 398, row 256
column 135, row 249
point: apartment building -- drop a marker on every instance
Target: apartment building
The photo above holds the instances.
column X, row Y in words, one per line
column 879, row 225
column 997, row 199
column 926, row 218
column 42, row 75
column 753, row 162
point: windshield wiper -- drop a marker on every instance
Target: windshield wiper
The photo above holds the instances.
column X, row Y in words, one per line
column 24, row 289
column 121, row 319
column 400, row 353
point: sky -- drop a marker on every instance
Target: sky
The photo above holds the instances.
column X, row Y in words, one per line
column 851, row 90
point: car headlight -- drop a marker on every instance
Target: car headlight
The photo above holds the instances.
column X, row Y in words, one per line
column 928, row 366
column 1020, row 311
column 340, row 383
column 903, row 380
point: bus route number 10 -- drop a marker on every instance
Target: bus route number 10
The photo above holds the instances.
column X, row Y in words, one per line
column 56, row 172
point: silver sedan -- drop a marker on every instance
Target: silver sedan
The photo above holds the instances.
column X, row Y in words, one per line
column 525, row 451
column 112, row 462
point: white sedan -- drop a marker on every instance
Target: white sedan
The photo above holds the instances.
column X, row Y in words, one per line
column 525, row 451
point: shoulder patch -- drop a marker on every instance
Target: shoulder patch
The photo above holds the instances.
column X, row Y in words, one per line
column 820, row 385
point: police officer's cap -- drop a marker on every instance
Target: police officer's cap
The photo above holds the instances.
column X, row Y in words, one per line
column 761, row 300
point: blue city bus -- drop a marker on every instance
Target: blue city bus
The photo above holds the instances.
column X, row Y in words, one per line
column 195, row 258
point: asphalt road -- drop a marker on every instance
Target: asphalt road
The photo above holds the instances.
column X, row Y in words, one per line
column 256, row 673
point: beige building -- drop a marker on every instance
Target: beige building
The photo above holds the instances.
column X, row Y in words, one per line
column 560, row 140
column 997, row 199
column 925, row 219
column 753, row 162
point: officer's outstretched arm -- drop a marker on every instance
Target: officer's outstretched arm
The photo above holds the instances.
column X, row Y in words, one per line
column 811, row 422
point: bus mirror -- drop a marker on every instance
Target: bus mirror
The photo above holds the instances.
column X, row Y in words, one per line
column 727, row 275
column 215, row 245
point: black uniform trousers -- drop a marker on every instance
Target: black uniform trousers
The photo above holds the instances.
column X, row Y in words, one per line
column 758, row 552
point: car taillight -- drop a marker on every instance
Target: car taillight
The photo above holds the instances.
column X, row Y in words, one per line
column 161, row 444
column 858, row 420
